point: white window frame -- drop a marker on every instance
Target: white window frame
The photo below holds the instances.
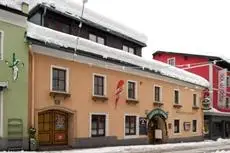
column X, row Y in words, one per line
column 178, row 97
column 1, row 42
column 228, row 81
column 179, row 127
column 97, row 38
column 169, row 59
column 1, row 113
column 106, row 122
column 137, row 126
column 127, row 90
column 196, row 126
column 197, row 100
column 161, row 97
column 105, row 84
column 67, row 77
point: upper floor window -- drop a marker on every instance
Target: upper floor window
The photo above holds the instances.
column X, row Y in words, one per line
column 99, row 85
column 171, row 61
column 176, row 97
column 57, row 24
column 130, row 125
column 227, row 104
column 98, row 125
column 132, row 89
column 195, row 101
column 96, row 39
column 59, row 79
column 228, row 81
column 157, row 93
column 1, row 45
column 128, row 49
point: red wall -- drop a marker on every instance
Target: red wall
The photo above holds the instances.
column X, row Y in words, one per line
column 198, row 65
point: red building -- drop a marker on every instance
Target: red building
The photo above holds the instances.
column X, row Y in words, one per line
column 216, row 70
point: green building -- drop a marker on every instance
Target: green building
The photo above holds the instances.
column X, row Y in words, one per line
column 13, row 75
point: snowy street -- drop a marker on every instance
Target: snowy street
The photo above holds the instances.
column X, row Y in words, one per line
column 209, row 146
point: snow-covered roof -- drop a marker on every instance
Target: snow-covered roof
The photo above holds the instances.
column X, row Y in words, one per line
column 74, row 9
column 214, row 111
column 69, row 41
column 14, row 4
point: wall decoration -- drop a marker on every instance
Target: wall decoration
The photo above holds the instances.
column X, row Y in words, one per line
column 187, row 126
column 119, row 89
column 14, row 66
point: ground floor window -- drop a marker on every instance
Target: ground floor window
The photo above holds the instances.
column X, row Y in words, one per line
column 176, row 126
column 206, row 127
column 98, row 125
column 130, row 125
column 194, row 126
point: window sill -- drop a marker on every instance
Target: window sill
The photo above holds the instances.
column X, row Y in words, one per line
column 59, row 93
column 131, row 136
column 132, row 101
column 99, row 98
column 158, row 103
column 195, row 107
column 177, row 105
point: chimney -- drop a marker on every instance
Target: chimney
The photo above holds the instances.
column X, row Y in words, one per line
column 25, row 7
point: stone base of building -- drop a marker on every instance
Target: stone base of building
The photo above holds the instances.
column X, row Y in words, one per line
column 14, row 144
column 113, row 141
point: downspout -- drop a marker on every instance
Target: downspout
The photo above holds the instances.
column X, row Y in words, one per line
column 32, row 86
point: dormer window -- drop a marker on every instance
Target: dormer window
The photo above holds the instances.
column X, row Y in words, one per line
column 171, row 61
column 128, row 49
column 97, row 39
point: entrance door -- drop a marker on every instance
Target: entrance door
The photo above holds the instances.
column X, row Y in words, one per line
column 53, row 128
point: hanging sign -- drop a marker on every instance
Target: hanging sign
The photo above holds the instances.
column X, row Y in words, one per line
column 222, row 77
column 14, row 65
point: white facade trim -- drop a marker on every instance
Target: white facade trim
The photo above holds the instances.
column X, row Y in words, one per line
column 1, row 113
column 1, row 44
column 136, row 89
column 105, row 84
column 161, row 93
column 196, row 66
column 137, row 126
column 174, row 60
column 67, row 77
column 13, row 18
column 106, row 122
column 106, row 65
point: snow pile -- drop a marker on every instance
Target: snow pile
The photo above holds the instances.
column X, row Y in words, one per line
column 70, row 7
column 69, row 41
column 214, row 110
column 15, row 4
column 222, row 151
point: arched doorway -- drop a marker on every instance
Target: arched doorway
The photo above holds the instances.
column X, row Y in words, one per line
column 157, row 128
column 53, row 127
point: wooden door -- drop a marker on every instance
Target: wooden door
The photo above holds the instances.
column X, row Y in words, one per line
column 53, row 128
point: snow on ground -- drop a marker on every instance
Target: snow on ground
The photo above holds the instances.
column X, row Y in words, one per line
column 15, row 4
column 72, row 8
column 69, row 41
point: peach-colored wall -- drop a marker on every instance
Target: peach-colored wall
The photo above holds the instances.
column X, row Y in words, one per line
column 81, row 103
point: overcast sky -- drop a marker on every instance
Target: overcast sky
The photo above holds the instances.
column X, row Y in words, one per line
column 173, row 25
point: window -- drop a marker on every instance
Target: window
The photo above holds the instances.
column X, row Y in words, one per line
column 59, row 79
column 98, row 125
column 128, row 49
column 176, row 126
column 228, row 81
column 130, row 125
column 1, row 45
column 157, row 94
column 132, row 90
column 195, row 100
column 194, row 126
column 171, row 61
column 96, row 39
column 99, row 85
column 176, row 97
column 57, row 24
column 227, row 102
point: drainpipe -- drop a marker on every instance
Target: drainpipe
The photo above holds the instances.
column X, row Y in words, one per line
column 32, row 86
column 43, row 15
